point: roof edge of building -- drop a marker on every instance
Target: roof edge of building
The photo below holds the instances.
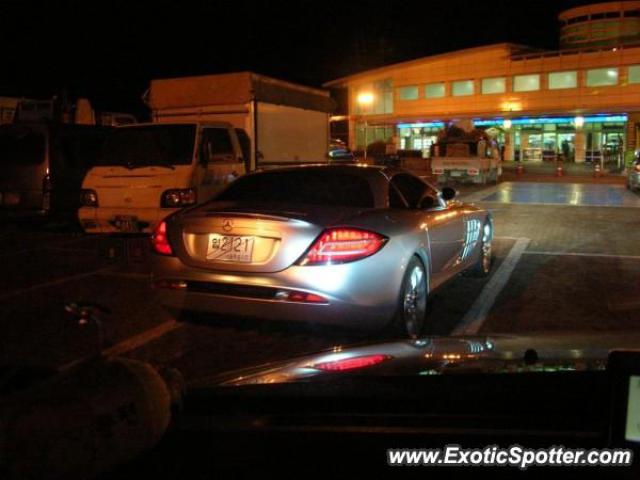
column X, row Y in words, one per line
column 520, row 48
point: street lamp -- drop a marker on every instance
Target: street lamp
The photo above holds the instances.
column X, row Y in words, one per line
column 365, row 99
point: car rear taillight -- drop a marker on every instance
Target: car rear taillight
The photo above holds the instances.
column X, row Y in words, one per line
column 159, row 240
column 352, row 363
column 342, row 245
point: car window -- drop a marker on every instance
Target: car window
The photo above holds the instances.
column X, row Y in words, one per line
column 245, row 144
column 395, row 199
column 311, row 187
column 217, row 146
column 21, row 146
column 149, row 145
column 411, row 188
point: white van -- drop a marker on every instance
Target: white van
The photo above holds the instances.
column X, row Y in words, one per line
column 147, row 171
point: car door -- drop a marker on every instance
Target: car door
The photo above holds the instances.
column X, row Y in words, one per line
column 444, row 224
column 221, row 161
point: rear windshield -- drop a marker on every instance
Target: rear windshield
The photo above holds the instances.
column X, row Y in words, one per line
column 149, row 145
column 21, row 146
column 311, row 187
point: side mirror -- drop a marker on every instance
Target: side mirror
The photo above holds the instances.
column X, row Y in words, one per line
column 448, row 193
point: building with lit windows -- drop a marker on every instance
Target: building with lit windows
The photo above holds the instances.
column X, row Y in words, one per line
column 581, row 102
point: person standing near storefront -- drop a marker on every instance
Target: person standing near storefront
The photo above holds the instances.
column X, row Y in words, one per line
column 566, row 150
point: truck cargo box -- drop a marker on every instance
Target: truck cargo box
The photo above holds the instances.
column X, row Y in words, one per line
column 287, row 123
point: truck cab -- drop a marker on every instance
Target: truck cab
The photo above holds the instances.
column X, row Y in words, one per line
column 148, row 171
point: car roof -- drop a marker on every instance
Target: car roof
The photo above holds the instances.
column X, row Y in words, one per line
column 357, row 169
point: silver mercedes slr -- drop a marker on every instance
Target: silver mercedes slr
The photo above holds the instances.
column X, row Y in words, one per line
column 358, row 246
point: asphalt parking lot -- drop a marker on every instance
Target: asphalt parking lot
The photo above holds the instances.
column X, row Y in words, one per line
column 567, row 259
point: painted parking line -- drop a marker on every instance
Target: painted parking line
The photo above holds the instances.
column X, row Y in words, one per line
column 475, row 197
column 134, row 342
column 477, row 314
column 578, row 254
column 507, row 238
column 130, row 275
column 57, row 281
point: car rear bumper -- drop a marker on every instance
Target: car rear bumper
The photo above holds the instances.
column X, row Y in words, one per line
column 365, row 304
column 334, row 313
column 103, row 219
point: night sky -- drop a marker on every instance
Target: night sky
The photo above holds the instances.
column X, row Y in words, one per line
column 110, row 50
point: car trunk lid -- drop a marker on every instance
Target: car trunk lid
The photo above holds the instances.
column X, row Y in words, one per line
column 228, row 236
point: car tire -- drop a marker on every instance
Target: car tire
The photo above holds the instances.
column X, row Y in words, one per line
column 482, row 267
column 411, row 316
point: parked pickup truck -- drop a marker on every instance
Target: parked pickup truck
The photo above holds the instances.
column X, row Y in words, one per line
column 465, row 157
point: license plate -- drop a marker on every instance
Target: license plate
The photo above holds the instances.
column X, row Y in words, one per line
column 230, row 248
column 456, row 173
column 126, row 223
column 10, row 198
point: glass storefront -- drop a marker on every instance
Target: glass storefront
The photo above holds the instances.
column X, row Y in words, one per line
column 373, row 133
column 419, row 136
column 597, row 138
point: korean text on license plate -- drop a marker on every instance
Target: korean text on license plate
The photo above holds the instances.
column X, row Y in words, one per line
column 230, row 248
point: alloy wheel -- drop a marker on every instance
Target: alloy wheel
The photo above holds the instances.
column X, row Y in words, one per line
column 486, row 247
column 415, row 301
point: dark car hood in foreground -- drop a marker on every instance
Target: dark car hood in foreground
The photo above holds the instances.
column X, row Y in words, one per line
column 443, row 355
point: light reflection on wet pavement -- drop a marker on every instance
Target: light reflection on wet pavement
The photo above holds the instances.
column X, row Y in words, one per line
column 558, row 194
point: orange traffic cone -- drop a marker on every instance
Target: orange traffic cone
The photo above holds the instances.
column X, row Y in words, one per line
column 519, row 169
column 597, row 172
column 559, row 170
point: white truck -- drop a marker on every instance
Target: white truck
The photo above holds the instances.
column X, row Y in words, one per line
column 286, row 122
column 206, row 131
column 465, row 156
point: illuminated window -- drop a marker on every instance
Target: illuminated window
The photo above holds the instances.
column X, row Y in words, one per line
column 526, row 83
column 434, row 90
column 381, row 95
column 408, row 93
column 599, row 77
column 462, row 88
column 634, row 74
column 558, row 80
column 494, row 85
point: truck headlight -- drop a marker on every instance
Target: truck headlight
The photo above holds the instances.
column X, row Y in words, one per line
column 88, row 198
column 178, row 198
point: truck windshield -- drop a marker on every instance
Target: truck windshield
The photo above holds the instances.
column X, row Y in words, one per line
column 149, row 145
column 310, row 187
column 21, row 146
